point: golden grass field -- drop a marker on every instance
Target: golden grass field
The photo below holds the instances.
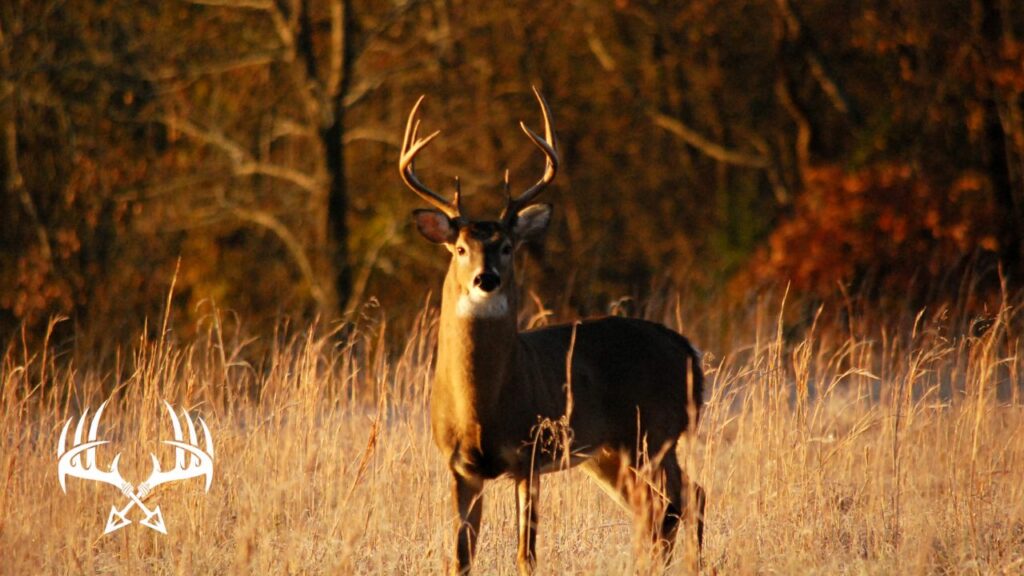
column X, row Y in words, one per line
column 856, row 447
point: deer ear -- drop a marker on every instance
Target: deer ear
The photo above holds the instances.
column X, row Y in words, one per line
column 435, row 226
column 531, row 222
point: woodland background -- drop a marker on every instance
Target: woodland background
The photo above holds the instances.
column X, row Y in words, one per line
column 710, row 148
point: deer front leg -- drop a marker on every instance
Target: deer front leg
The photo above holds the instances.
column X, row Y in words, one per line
column 468, row 496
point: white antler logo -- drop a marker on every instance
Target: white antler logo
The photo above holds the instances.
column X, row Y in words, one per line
column 190, row 461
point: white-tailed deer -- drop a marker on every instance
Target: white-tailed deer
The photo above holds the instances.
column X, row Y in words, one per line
column 621, row 385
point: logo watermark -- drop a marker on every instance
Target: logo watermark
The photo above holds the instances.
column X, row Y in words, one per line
column 190, row 461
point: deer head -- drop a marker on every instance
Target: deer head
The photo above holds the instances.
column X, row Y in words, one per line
column 482, row 250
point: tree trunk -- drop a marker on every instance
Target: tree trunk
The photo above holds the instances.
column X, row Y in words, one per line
column 1000, row 159
column 337, row 206
column 334, row 145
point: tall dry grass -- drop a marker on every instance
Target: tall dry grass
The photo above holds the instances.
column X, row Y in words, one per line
column 855, row 446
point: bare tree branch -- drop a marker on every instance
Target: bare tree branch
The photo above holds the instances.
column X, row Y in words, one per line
column 195, row 70
column 246, row 4
column 337, row 52
column 598, row 49
column 307, row 88
column 712, row 149
column 803, row 125
column 14, row 183
column 236, row 153
column 291, row 243
column 772, row 170
column 243, row 163
column 276, row 171
column 798, row 33
column 383, row 135
column 369, row 265
column 288, row 128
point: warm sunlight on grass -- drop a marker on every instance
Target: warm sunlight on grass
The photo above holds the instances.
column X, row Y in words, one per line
column 856, row 447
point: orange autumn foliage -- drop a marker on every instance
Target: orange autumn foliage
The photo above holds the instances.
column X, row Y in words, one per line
column 885, row 223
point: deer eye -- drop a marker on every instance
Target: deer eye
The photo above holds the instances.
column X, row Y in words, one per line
column 460, row 251
column 506, row 249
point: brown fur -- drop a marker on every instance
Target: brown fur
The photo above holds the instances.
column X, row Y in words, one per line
column 494, row 385
column 614, row 393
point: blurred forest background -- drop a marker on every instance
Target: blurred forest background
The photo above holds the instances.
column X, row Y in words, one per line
column 710, row 147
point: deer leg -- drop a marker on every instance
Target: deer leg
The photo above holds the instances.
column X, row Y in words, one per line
column 608, row 469
column 634, row 491
column 612, row 470
column 693, row 508
column 468, row 496
column 527, row 498
column 686, row 503
column 673, row 485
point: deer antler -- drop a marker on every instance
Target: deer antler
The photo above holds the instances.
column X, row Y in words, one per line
column 549, row 146
column 190, row 461
column 70, row 461
column 411, row 145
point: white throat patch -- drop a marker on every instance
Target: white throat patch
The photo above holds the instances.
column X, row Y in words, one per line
column 480, row 304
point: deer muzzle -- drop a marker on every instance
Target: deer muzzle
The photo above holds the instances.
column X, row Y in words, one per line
column 487, row 281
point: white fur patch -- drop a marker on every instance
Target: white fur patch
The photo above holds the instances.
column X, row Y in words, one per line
column 479, row 304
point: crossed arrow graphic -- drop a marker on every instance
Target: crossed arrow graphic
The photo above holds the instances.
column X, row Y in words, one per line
column 190, row 461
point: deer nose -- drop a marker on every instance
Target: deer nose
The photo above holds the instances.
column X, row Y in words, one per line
column 487, row 281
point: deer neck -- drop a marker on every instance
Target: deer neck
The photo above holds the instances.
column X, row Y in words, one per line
column 476, row 353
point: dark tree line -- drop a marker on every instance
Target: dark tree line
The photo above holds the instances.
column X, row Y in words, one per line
column 706, row 144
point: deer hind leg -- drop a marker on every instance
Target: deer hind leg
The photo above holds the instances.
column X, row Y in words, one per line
column 616, row 473
column 693, row 508
column 468, row 496
column 610, row 470
column 673, row 491
column 527, row 498
column 686, row 503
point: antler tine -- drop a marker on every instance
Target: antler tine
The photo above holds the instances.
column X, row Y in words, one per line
column 458, row 196
column 90, row 454
column 61, row 449
column 209, row 451
column 411, row 145
column 179, row 454
column 77, row 460
column 63, row 442
column 191, row 435
column 549, row 146
column 208, row 439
